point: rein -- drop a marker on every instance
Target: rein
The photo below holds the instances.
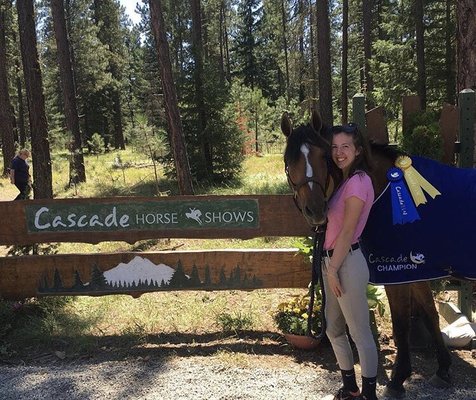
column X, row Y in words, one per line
column 317, row 249
column 316, row 274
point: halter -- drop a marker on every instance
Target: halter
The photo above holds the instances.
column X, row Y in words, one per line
column 317, row 250
column 308, row 179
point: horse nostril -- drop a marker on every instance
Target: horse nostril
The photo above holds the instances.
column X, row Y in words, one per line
column 308, row 211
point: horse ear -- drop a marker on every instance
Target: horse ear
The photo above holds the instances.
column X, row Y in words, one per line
column 286, row 124
column 316, row 120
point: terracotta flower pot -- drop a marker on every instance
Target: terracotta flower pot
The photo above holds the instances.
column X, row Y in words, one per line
column 302, row 342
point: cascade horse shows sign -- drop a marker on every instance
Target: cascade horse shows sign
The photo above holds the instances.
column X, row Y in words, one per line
column 400, row 256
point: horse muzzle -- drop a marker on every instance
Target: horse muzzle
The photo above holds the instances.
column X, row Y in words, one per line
column 315, row 218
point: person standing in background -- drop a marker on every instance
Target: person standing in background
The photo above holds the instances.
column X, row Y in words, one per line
column 20, row 174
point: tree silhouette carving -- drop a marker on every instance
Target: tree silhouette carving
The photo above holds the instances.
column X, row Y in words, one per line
column 78, row 283
column 57, row 283
column 195, row 278
column 98, row 281
column 179, row 279
column 208, row 278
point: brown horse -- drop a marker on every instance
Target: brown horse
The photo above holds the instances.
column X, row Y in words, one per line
column 312, row 178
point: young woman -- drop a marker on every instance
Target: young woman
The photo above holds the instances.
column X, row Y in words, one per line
column 345, row 271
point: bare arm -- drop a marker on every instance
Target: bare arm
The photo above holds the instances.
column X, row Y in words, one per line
column 352, row 210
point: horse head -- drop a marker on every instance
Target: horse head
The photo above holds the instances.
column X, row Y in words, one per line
column 307, row 163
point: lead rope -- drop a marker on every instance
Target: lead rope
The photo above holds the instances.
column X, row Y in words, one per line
column 317, row 255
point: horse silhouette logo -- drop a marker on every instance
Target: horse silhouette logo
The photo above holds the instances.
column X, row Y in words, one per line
column 195, row 215
column 417, row 258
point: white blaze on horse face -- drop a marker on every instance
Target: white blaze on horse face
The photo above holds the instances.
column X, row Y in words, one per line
column 309, row 172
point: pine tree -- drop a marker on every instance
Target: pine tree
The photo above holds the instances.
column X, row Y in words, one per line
column 78, row 283
column 77, row 171
column 6, row 114
column 98, row 281
column 57, row 282
column 195, row 278
column 36, row 103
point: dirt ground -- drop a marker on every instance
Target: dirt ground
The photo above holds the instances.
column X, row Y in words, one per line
column 251, row 365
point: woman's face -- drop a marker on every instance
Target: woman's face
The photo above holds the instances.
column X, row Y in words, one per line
column 344, row 151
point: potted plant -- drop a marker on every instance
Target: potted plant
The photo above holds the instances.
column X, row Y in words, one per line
column 292, row 317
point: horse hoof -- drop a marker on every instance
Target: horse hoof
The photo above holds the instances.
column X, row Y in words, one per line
column 439, row 382
column 395, row 393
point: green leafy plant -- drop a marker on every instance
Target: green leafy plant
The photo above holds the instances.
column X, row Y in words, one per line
column 235, row 323
column 292, row 315
column 375, row 296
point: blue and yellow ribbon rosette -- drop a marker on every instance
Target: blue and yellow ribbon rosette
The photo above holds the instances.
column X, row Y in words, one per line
column 408, row 189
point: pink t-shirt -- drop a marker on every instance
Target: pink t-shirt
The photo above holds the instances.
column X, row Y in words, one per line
column 360, row 186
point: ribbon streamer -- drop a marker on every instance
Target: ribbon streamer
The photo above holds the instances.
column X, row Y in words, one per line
column 415, row 181
column 403, row 208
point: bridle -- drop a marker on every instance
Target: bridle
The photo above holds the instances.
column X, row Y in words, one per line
column 295, row 187
column 318, row 244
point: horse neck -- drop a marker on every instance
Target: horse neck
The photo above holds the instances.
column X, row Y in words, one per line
column 381, row 164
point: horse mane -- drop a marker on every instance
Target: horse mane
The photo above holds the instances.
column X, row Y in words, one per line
column 303, row 134
column 388, row 151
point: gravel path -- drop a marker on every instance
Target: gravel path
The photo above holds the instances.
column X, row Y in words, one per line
column 244, row 377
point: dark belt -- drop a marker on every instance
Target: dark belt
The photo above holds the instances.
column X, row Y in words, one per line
column 328, row 253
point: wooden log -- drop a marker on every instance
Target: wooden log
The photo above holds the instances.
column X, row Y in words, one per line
column 137, row 273
column 410, row 105
column 376, row 125
column 449, row 132
column 130, row 219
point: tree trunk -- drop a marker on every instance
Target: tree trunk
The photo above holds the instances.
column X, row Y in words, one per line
column 313, row 53
column 6, row 114
column 182, row 166
column 227, row 50
column 197, row 51
column 420, row 52
column 21, row 108
column 302, row 56
column 324, row 59
column 466, row 47
column 77, row 172
column 221, row 41
column 285, row 48
column 450, row 90
column 367, row 9
column 40, row 148
column 466, row 44
column 345, row 64
column 119, row 142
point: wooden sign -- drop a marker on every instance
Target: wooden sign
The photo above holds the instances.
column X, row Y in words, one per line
column 138, row 215
column 138, row 273
column 131, row 219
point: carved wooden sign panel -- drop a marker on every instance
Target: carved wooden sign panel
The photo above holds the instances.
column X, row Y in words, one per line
column 179, row 214
column 135, row 218
column 137, row 273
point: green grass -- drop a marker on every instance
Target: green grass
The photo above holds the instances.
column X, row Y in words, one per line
column 79, row 325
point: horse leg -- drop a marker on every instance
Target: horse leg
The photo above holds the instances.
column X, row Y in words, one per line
column 400, row 305
column 423, row 296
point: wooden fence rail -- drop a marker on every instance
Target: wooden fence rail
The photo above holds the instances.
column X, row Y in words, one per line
column 133, row 219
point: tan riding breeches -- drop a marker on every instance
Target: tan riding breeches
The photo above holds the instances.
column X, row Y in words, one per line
column 351, row 309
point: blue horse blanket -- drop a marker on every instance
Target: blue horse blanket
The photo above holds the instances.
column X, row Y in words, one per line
column 442, row 243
